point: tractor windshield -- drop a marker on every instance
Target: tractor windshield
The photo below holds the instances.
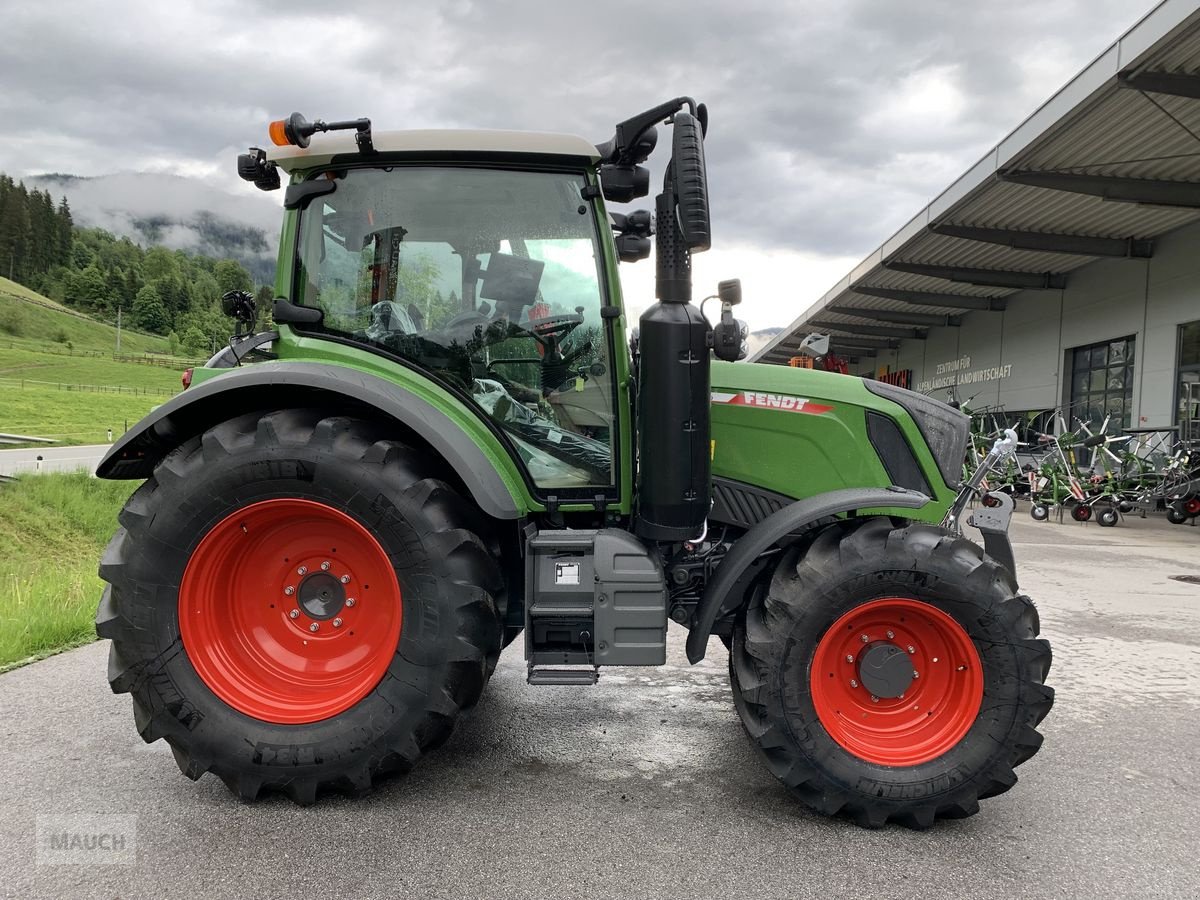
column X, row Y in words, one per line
column 489, row 280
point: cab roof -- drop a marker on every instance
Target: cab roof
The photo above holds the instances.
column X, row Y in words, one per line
column 324, row 148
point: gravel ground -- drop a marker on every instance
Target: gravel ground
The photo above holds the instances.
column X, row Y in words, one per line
column 645, row 785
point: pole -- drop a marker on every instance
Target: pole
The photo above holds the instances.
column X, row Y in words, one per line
column 118, row 329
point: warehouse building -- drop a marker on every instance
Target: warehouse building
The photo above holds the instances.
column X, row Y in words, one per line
column 1063, row 269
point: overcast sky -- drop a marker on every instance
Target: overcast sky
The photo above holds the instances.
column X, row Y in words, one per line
column 831, row 123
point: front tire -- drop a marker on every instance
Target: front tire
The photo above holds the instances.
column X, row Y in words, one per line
column 1107, row 518
column 840, row 721
column 298, row 604
column 1039, row 512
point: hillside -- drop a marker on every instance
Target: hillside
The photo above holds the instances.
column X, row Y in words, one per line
column 28, row 318
column 215, row 219
column 58, row 375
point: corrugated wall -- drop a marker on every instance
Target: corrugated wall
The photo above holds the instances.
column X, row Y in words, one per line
column 1027, row 342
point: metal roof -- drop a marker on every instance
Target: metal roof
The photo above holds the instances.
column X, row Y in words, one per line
column 1115, row 154
column 325, row 146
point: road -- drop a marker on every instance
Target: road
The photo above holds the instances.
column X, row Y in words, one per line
column 54, row 459
column 645, row 786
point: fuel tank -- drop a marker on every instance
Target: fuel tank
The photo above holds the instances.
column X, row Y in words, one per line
column 673, row 485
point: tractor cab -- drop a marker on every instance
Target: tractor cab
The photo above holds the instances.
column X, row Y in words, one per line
column 490, row 281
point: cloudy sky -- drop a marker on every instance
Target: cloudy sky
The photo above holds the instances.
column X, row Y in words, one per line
column 831, row 123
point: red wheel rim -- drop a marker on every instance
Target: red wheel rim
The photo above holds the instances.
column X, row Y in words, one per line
column 290, row 611
column 932, row 712
column 1192, row 506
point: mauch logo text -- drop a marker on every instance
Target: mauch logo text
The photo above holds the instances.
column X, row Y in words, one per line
column 87, row 840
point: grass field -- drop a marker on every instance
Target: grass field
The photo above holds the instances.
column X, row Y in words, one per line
column 77, row 399
column 74, row 394
column 44, row 321
column 70, row 416
column 53, row 529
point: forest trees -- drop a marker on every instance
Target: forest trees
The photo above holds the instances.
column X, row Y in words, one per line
column 158, row 289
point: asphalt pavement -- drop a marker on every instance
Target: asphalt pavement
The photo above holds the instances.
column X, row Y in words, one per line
column 645, row 785
column 52, row 459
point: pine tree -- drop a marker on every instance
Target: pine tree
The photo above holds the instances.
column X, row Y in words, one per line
column 66, row 232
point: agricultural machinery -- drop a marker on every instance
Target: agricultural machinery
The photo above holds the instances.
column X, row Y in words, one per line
column 1091, row 474
column 446, row 442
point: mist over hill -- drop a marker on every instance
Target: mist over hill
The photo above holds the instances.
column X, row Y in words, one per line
column 177, row 212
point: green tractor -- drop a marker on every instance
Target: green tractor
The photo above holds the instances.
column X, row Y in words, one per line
column 447, row 441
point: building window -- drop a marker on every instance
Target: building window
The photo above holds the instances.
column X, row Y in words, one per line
column 1102, row 382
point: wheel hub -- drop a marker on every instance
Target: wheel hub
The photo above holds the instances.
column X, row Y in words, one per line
column 885, row 670
column 321, row 596
column 290, row 610
column 896, row 681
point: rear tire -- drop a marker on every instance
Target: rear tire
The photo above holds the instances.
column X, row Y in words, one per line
column 1081, row 512
column 874, row 578
column 253, row 727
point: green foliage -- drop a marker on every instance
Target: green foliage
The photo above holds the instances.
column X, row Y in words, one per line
column 94, row 272
column 195, row 343
column 53, row 528
column 149, row 312
column 231, row 276
column 173, row 343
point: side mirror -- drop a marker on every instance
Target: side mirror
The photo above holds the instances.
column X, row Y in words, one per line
column 690, row 181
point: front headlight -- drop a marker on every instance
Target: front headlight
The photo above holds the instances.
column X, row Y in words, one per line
column 945, row 429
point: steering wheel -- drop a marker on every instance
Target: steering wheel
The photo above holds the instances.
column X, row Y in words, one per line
column 552, row 330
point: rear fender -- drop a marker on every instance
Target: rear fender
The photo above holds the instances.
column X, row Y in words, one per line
column 770, row 531
column 495, row 487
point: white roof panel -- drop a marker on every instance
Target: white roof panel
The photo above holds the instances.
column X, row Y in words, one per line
column 326, row 146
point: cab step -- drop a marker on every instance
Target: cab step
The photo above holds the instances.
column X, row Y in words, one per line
column 575, row 675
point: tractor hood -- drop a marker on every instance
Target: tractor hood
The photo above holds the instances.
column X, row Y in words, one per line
column 802, row 432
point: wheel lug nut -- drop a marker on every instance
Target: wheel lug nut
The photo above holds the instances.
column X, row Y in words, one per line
column 849, row 657
column 294, row 614
column 345, row 579
column 863, row 638
column 891, row 634
column 853, row 683
column 910, row 649
column 350, row 601
column 314, row 627
column 916, row 674
column 874, row 699
column 303, row 570
column 325, row 566
column 337, row 623
column 289, row 590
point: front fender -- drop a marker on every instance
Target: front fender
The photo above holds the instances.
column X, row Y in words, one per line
column 486, row 470
column 792, row 518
